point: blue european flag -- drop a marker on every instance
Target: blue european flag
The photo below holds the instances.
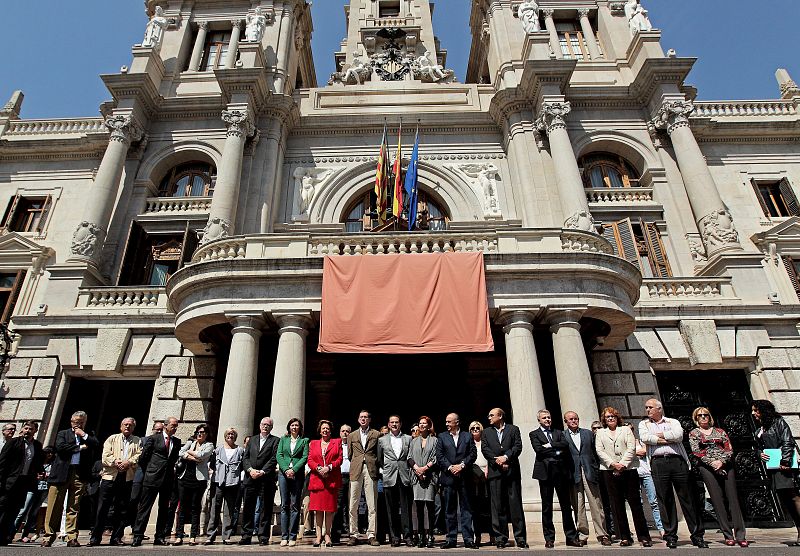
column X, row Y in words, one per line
column 410, row 184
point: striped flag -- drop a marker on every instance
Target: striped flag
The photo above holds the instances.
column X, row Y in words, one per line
column 382, row 179
column 397, row 170
column 411, row 184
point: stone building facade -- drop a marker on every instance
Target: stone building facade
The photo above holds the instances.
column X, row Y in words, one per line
column 166, row 258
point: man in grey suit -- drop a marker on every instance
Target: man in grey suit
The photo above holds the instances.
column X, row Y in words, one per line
column 586, row 483
column 393, row 458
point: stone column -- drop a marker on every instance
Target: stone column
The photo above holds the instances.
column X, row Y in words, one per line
column 575, row 387
column 289, row 387
column 713, row 219
column 233, row 47
column 87, row 240
column 285, row 40
column 199, row 46
column 238, row 405
column 527, row 397
column 226, row 191
column 571, row 192
column 588, row 34
column 550, row 25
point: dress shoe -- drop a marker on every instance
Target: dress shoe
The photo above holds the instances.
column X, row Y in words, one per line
column 700, row 543
column 410, row 542
column 352, row 541
column 647, row 543
column 160, row 542
column 263, row 542
column 448, row 544
column 93, row 542
column 431, row 541
column 744, row 544
column 178, row 542
column 209, row 541
column 136, row 542
column 575, row 542
column 522, row 545
column 395, row 543
column 605, row 540
column 625, row 542
column 549, row 544
column 470, row 544
column 73, row 543
column 374, row 542
column 672, row 544
column 245, row 540
column 501, row 544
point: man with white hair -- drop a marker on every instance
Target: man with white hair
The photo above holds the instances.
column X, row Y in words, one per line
column 669, row 465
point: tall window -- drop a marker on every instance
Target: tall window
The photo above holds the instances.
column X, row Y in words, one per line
column 639, row 242
column 776, row 198
column 389, row 8
column 151, row 258
column 27, row 214
column 607, row 170
column 360, row 217
column 10, row 286
column 573, row 45
column 792, row 266
column 193, row 179
column 215, row 51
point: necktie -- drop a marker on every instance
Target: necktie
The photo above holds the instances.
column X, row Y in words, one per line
column 166, row 443
column 549, row 436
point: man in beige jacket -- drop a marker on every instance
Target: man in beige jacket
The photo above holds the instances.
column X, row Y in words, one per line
column 120, row 456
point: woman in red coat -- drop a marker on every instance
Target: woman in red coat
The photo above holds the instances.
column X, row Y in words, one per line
column 325, row 462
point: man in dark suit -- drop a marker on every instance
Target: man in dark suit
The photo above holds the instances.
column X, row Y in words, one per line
column 501, row 445
column 260, row 478
column 455, row 451
column 363, row 445
column 554, row 471
column 393, row 458
column 70, row 473
column 20, row 461
column 157, row 460
column 586, row 481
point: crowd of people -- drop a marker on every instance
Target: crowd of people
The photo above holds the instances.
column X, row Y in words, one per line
column 403, row 482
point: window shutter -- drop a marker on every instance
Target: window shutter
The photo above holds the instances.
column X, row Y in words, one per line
column 130, row 271
column 45, row 212
column 789, row 198
column 788, row 262
column 655, row 248
column 8, row 217
column 8, row 310
column 760, row 198
column 624, row 241
column 190, row 242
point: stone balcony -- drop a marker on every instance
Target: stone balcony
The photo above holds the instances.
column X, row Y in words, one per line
column 123, row 299
column 687, row 291
column 760, row 108
column 162, row 205
column 28, row 129
column 619, row 195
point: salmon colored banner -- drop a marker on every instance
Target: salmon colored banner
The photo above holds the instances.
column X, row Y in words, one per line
column 409, row 303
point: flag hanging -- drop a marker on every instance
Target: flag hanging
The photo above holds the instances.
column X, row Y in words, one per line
column 382, row 179
column 397, row 170
column 411, row 184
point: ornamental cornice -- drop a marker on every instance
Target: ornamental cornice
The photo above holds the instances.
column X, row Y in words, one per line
column 371, row 158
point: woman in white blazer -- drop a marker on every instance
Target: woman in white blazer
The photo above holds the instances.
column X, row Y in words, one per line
column 616, row 449
column 192, row 480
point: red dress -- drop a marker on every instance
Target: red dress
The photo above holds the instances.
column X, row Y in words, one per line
column 323, row 492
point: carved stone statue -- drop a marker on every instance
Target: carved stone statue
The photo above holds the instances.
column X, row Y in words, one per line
column 637, row 17
column 154, row 31
column 581, row 220
column 717, row 229
column 426, row 69
column 306, row 181
column 85, row 239
column 529, row 16
column 256, row 24
column 485, row 176
column 352, row 74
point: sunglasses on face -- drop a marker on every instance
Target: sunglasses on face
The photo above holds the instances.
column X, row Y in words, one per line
column 475, row 429
column 703, row 415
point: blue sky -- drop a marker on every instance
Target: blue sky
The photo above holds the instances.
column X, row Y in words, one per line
column 56, row 58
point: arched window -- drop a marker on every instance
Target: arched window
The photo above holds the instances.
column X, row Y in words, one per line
column 361, row 217
column 607, row 170
column 192, row 179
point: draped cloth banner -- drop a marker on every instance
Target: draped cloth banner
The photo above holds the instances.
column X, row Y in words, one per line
column 409, row 303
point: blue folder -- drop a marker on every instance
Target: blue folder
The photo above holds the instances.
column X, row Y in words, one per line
column 774, row 461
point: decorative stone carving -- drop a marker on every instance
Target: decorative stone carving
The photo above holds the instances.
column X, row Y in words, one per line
column 787, row 85
column 551, row 116
column 617, row 8
column 85, row 238
column 581, row 220
column 697, row 250
column 306, row 182
column 238, row 122
column 12, row 108
column 217, row 228
column 299, row 38
column 256, row 24
column 354, row 73
column 154, row 32
column 673, row 114
column 484, row 181
column 427, row 70
column 637, row 17
column 717, row 229
column 528, row 13
column 123, row 129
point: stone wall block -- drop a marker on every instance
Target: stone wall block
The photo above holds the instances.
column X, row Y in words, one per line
column 165, row 388
column 618, row 383
column 701, row 341
column 645, row 382
column 203, row 366
column 673, row 341
column 786, row 402
column 194, row 388
column 620, row 403
column 637, row 405
column 749, row 339
column 775, row 379
column 65, row 348
column 17, row 388
column 43, row 388
column 111, row 345
column 196, row 410
column 774, row 358
column 176, row 367
column 794, row 423
column 32, row 410
column 727, row 341
column 44, row 367
column 647, row 339
column 137, row 348
column 161, row 409
column 792, row 377
column 794, row 357
column 634, row 361
column 161, row 347
column 8, row 409
column 605, row 362
column 18, row 367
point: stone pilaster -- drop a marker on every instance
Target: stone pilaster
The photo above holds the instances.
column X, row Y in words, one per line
column 289, row 387
column 87, row 240
column 713, row 219
column 226, row 193
column 571, row 193
column 572, row 367
column 550, row 25
column 588, row 34
column 199, row 45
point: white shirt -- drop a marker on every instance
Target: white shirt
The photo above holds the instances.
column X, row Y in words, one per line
column 126, row 442
column 480, row 461
column 364, row 435
column 292, row 443
column 261, row 440
column 455, row 434
column 345, row 458
column 397, row 444
column 229, row 453
column 576, row 438
column 500, row 432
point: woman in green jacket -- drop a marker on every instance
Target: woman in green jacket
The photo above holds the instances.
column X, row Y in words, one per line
column 292, row 457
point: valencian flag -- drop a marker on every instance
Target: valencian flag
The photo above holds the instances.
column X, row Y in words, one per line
column 382, row 179
column 411, row 184
column 397, row 170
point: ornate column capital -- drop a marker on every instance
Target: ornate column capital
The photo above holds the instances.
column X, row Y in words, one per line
column 238, row 122
column 548, row 12
column 202, row 25
column 583, row 12
column 551, row 116
column 123, row 129
column 673, row 114
column 237, row 23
